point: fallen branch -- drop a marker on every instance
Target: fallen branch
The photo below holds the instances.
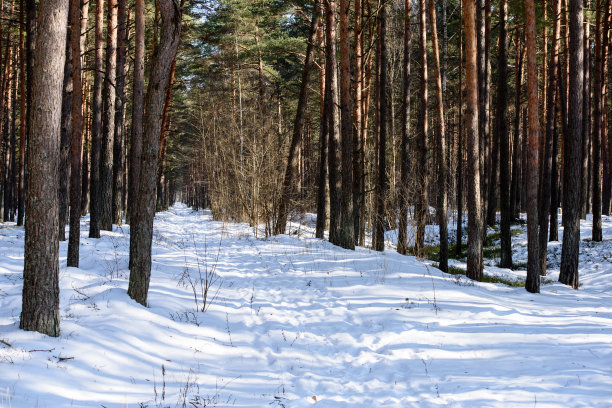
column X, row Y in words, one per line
column 47, row 351
column 6, row 343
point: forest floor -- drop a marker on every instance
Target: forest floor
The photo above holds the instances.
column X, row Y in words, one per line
column 292, row 321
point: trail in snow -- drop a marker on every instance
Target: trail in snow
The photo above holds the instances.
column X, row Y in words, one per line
column 298, row 322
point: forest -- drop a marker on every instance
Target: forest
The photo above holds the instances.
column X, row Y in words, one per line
column 312, row 187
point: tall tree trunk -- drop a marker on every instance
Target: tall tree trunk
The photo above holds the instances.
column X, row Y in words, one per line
column 532, row 284
column 403, row 188
column 40, row 309
column 77, row 137
column 381, row 183
column 586, row 122
column 291, row 171
column 547, row 142
column 322, row 186
column 421, row 206
column 573, row 150
column 551, row 126
column 483, row 17
column 137, row 105
column 108, row 119
column 442, row 199
column 333, row 118
column 119, row 128
column 475, row 227
column 30, row 47
column 22, row 117
column 553, row 235
column 142, row 229
column 460, row 143
column 515, row 188
column 502, row 135
column 357, row 121
column 96, row 131
column 66, row 133
column 605, row 189
column 597, row 121
column 346, row 238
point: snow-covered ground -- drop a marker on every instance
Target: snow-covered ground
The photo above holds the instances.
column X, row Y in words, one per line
column 293, row 321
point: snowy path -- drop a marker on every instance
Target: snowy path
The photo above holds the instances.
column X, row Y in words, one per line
column 298, row 322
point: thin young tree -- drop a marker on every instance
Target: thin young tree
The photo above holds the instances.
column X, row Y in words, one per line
column 333, row 118
column 346, row 237
column 381, row 181
column 291, row 171
column 119, row 136
column 572, row 151
column 22, row 117
column 159, row 80
column 598, row 114
column 475, row 220
column 65, row 138
column 108, row 119
column 40, row 299
column 74, row 237
column 440, row 130
column 546, row 166
column 402, row 244
column 421, row 206
column 322, row 190
column 358, row 120
column 96, row 128
column 501, row 121
column 586, row 121
column 137, row 106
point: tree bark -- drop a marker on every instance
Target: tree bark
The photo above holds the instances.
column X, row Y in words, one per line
column 586, row 122
column 403, row 189
column 441, row 204
column 421, row 205
column 503, row 137
column 22, row 117
column 572, row 151
column 333, row 117
column 322, row 186
column 96, row 131
column 77, row 137
column 108, row 119
column 547, row 142
column 346, row 238
column 119, row 126
column 475, row 227
column 142, row 229
column 515, row 193
column 65, row 137
column 532, row 284
column 40, row 309
column 460, row 143
column 381, row 182
column 357, row 122
column 137, row 106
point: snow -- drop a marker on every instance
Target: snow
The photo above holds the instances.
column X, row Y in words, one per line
column 293, row 321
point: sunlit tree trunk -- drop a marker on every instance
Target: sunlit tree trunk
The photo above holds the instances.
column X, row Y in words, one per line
column 159, row 80
column 572, row 151
column 40, row 307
